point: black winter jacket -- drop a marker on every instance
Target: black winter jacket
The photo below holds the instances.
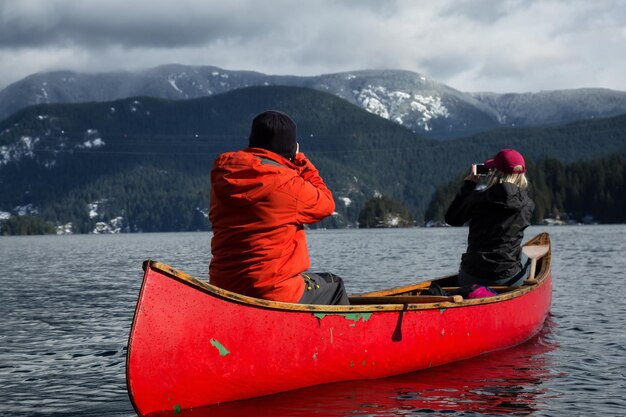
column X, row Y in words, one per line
column 497, row 218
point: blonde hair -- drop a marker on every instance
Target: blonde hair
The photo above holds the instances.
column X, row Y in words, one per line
column 498, row 177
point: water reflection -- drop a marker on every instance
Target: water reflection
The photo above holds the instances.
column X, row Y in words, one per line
column 510, row 382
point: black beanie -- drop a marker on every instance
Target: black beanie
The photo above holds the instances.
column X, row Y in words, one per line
column 274, row 131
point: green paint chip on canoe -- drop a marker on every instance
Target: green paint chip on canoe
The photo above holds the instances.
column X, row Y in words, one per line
column 442, row 310
column 177, row 409
column 220, row 347
column 352, row 364
column 358, row 316
column 355, row 317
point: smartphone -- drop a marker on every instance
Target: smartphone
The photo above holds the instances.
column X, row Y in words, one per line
column 479, row 169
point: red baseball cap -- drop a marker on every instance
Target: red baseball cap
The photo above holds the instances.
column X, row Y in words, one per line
column 507, row 160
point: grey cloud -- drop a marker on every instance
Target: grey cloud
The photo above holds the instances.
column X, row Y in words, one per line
column 484, row 11
column 499, row 68
column 143, row 25
column 593, row 16
column 75, row 33
column 469, row 44
column 385, row 8
column 447, row 66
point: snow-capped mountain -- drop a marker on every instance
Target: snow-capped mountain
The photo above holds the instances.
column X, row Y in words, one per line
column 408, row 98
column 554, row 107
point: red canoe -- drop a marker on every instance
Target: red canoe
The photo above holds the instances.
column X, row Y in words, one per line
column 193, row 344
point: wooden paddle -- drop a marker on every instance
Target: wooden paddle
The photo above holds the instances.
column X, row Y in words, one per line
column 534, row 252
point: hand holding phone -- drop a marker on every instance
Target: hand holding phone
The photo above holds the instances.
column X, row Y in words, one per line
column 479, row 169
column 299, row 159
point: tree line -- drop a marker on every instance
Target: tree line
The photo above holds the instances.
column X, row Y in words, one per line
column 151, row 199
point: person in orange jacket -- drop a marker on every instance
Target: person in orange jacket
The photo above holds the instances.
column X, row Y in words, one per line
column 261, row 198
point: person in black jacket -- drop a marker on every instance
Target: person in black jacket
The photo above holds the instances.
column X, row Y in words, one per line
column 497, row 217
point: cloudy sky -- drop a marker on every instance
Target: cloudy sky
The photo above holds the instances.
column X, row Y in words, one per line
column 471, row 45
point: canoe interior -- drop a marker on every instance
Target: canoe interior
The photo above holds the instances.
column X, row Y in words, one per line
column 408, row 297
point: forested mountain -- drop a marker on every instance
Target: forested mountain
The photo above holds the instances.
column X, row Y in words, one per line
column 411, row 99
column 142, row 164
column 583, row 191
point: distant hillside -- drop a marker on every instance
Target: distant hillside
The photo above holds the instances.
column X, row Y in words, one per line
column 549, row 108
column 413, row 100
column 142, row 164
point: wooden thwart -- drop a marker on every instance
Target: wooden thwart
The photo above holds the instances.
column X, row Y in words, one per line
column 405, row 299
column 498, row 288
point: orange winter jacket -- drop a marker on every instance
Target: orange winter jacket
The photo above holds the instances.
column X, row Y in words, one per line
column 259, row 204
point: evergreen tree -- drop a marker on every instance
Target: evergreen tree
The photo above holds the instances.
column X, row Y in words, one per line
column 384, row 212
column 26, row 225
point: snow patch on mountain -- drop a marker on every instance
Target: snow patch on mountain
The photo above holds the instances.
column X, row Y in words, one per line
column 41, row 97
column 24, row 147
column 91, row 140
column 5, row 155
column 114, row 226
column 93, row 209
column 135, row 105
column 392, row 220
column 104, row 226
column 95, row 143
column 370, row 99
column 346, row 201
column 65, row 229
column 29, row 145
column 401, row 106
column 203, row 211
column 430, row 108
column 172, row 80
column 26, row 210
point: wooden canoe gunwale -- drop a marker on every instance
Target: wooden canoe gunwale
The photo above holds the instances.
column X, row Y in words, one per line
column 543, row 271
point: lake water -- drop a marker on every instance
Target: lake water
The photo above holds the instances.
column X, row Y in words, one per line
column 67, row 304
